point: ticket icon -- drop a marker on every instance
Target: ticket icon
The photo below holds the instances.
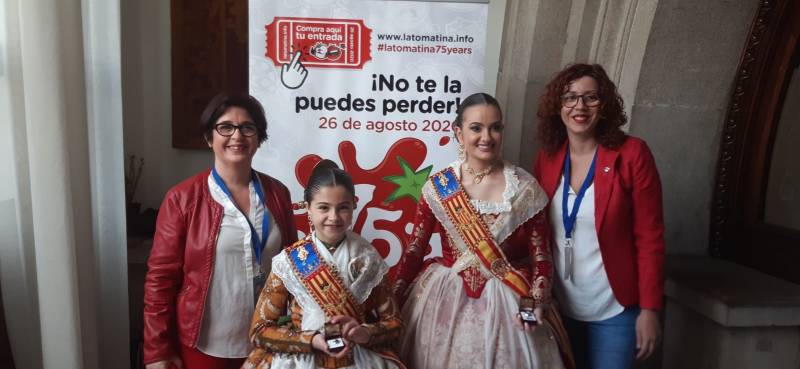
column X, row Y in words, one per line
column 324, row 43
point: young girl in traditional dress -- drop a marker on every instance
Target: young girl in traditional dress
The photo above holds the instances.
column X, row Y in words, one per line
column 334, row 279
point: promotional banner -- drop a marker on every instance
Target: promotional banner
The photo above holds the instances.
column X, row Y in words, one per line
column 371, row 85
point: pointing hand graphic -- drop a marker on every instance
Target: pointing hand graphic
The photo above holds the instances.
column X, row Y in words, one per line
column 294, row 73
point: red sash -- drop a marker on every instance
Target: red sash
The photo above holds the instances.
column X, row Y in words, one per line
column 322, row 281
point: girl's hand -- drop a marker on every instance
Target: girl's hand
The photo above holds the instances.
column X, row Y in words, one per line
column 173, row 362
column 351, row 330
column 648, row 331
column 319, row 344
column 538, row 312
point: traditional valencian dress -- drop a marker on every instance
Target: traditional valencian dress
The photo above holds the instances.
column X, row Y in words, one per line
column 461, row 309
column 323, row 284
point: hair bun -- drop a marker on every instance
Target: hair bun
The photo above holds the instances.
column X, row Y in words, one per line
column 322, row 166
column 327, row 173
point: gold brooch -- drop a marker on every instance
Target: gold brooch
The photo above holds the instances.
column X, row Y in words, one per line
column 442, row 180
column 499, row 267
column 302, row 253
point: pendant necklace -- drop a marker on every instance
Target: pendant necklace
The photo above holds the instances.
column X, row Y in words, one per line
column 478, row 175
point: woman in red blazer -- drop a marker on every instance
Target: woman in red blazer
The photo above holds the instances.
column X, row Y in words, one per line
column 606, row 214
column 215, row 236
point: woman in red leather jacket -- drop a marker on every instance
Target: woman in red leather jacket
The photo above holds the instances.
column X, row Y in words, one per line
column 606, row 214
column 215, row 236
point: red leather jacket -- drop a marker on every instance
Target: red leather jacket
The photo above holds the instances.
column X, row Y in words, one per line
column 182, row 259
column 628, row 217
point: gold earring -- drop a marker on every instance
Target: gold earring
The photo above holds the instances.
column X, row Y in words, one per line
column 310, row 224
column 461, row 155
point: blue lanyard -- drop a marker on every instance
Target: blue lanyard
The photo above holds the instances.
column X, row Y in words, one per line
column 258, row 244
column 567, row 216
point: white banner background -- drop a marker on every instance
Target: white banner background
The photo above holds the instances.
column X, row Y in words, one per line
column 385, row 187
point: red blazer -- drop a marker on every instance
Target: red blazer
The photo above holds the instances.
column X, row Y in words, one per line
column 628, row 218
column 181, row 261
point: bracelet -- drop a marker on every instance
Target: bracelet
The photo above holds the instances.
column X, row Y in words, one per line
column 312, row 338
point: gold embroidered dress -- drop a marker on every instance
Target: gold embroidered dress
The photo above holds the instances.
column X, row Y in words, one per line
column 363, row 272
column 457, row 312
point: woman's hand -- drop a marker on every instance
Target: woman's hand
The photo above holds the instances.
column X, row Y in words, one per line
column 319, row 344
column 352, row 331
column 648, row 331
column 538, row 312
column 171, row 363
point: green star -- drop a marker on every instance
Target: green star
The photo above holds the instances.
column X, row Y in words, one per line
column 409, row 183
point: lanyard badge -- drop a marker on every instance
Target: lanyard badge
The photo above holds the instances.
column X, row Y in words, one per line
column 569, row 217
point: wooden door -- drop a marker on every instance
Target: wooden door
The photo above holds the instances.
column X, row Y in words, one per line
column 751, row 223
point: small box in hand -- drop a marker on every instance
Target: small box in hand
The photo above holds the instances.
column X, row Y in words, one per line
column 333, row 337
column 526, row 306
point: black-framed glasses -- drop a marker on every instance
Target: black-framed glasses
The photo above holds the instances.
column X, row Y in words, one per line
column 227, row 129
column 571, row 100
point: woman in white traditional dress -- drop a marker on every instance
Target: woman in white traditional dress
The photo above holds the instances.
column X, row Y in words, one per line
column 333, row 278
column 462, row 309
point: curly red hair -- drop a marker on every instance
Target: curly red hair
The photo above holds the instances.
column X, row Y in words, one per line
column 552, row 131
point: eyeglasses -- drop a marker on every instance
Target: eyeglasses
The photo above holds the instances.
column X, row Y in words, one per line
column 227, row 129
column 571, row 100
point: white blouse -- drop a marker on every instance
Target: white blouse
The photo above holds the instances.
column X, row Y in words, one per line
column 587, row 296
column 231, row 297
